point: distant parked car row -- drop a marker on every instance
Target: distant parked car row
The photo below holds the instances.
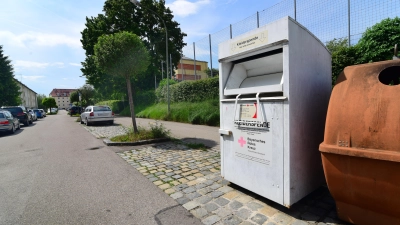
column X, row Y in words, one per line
column 11, row 117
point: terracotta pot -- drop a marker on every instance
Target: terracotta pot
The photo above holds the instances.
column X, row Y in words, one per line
column 361, row 148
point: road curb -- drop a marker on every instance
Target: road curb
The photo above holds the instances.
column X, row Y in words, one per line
column 108, row 142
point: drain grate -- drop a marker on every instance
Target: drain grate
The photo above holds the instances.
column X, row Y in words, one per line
column 95, row 148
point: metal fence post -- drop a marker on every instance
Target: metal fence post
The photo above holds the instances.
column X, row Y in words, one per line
column 258, row 21
column 170, row 62
column 209, row 38
column 194, row 54
column 348, row 12
column 295, row 14
column 162, row 70
column 230, row 28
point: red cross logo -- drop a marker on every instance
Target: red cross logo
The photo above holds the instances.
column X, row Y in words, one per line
column 241, row 141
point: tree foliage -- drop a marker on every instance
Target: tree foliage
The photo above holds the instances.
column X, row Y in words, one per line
column 376, row 44
column 74, row 97
column 9, row 90
column 49, row 103
column 336, row 44
column 40, row 98
column 124, row 55
column 87, row 94
column 215, row 72
column 122, row 15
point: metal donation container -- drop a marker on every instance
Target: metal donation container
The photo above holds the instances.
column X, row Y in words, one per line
column 361, row 148
column 275, row 83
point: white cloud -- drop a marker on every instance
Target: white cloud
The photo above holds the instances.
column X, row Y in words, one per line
column 75, row 64
column 39, row 39
column 184, row 8
column 32, row 78
column 58, row 64
column 30, row 64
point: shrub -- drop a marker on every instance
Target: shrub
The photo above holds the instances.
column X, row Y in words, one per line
column 190, row 91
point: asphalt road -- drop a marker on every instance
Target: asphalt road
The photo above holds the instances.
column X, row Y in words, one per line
column 49, row 175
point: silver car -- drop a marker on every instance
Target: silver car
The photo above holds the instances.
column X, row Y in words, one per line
column 94, row 114
column 34, row 117
column 8, row 123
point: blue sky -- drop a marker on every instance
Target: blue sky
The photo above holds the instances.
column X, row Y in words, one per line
column 42, row 37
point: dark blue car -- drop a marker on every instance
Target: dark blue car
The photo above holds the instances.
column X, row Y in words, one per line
column 38, row 113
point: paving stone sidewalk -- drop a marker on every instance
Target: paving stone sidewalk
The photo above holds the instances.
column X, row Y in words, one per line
column 192, row 177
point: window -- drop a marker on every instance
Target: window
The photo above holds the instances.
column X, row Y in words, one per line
column 101, row 108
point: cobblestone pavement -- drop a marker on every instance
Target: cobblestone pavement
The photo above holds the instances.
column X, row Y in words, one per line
column 192, row 177
column 106, row 131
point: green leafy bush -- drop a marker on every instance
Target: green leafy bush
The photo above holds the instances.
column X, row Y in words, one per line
column 376, row 44
column 190, row 91
column 144, row 98
column 156, row 130
column 204, row 112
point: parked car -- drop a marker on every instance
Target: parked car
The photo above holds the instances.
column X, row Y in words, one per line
column 94, row 114
column 43, row 112
column 74, row 110
column 53, row 110
column 21, row 113
column 38, row 113
column 8, row 123
column 34, row 117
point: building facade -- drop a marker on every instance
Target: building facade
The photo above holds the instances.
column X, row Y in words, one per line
column 28, row 96
column 188, row 69
column 62, row 97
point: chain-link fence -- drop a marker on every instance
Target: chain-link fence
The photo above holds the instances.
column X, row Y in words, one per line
column 326, row 19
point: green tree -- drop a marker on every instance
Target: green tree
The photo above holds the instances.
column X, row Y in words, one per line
column 377, row 43
column 122, row 54
column 342, row 56
column 74, row 97
column 215, row 72
column 40, row 98
column 122, row 15
column 9, row 90
column 87, row 94
column 49, row 103
column 336, row 44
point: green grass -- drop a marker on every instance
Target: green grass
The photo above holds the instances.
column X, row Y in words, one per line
column 155, row 131
column 206, row 112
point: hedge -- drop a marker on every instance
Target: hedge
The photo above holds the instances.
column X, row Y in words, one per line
column 190, row 91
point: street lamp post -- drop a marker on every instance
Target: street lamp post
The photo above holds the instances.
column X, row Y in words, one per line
column 137, row 3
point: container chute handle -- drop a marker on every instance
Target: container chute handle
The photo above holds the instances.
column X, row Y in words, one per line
column 395, row 52
column 237, row 97
column 259, row 108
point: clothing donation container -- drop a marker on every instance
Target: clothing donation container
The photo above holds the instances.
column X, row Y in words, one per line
column 275, row 83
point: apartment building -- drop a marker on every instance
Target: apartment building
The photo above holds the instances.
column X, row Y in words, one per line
column 62, row 97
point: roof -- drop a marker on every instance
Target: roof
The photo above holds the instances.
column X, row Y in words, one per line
column 24, row 85
column 67, row 92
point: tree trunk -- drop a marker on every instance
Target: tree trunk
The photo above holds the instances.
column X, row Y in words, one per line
column 131, row 106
